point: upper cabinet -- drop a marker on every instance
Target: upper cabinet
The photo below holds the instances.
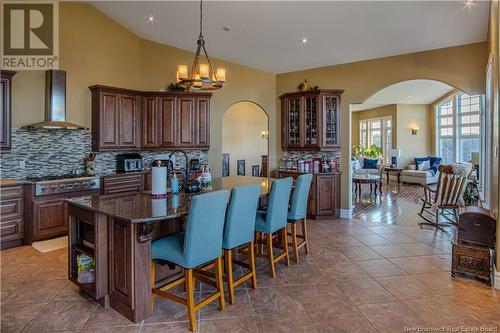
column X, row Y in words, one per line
column 5, row 117
column 311, row 120
column 126, row 120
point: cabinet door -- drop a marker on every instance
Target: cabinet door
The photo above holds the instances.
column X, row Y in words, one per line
column 109, row 117
column 11, row 229
column 331, row 121
column 203, row 122
column 166, row 122
column 49, row 218
column 5, row 115
column 186, row 121
column 121, row 262
column 325, row 203
column 293, row 122
column 128, row 125
column 311, row 122
column 149, row 122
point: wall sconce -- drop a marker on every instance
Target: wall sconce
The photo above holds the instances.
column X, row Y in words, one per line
column 414, row 130
column 264, row 134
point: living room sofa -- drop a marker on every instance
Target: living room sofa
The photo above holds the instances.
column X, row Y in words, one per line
column 414, row 176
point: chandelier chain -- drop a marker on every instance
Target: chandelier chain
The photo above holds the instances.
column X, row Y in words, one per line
column 201, row 18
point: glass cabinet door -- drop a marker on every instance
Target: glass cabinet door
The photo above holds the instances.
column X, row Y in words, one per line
column 293, row 136
column 330, row 121
column 311, row 120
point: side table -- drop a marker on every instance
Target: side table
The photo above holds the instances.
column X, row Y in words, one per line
column 391, row 170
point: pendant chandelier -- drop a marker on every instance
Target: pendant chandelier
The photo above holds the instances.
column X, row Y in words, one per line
column 202, row 76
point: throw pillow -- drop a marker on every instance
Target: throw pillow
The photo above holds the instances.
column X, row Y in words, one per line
column 419, row 160
column 435, row 162
column 424, row 166
column 369, row 163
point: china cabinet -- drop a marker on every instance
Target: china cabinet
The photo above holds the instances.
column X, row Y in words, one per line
column 311, row 120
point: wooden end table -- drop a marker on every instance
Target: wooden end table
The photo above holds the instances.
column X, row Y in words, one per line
column 391, row 170
column 367, row 179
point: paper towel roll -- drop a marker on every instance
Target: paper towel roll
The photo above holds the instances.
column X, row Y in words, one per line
column 158, row 181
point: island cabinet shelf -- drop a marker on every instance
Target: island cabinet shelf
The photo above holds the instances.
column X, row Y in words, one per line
column 311, row 120
column 125, row 119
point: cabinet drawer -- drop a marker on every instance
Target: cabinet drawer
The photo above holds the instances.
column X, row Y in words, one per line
column 11, row 229
column 11, row 208
column 117, row 180
column 122, row 189
column 11, row 191
column 119, row 184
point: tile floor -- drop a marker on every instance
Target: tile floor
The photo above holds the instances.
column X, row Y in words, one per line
column 362, row 275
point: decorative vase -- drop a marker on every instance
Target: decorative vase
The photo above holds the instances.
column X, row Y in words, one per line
column 206, row 178
column 89, row 168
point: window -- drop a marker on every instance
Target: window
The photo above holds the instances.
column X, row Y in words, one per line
column 376, row 131
column 459, row 128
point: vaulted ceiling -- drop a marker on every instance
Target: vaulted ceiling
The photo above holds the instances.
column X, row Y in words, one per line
column 268, row 35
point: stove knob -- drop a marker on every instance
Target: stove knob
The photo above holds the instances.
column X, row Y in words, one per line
column 62, row 186
column 92, row 183
column 85, row 184
column 76, row 185
column 53, row 187
column 43, row 188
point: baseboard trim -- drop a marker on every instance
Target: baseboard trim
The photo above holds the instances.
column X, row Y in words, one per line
column 346, row 213
column 496, row 278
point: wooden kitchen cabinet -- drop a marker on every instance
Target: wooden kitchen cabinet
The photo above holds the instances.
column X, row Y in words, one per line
column 6, row 109
column 324, row 195
column 11, row 216
column 310, row 120
column 49, row 218
column 121, row 183
column 124, row 119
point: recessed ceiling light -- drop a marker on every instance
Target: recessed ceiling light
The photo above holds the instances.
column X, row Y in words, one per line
column 409, row 97
column 468, row 3
column 225, row 28
column 151, row 19
column 304, row 40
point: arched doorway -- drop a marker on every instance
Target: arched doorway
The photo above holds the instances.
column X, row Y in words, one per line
column 245, row 133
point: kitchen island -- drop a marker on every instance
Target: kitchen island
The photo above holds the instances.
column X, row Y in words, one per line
column 116, row 230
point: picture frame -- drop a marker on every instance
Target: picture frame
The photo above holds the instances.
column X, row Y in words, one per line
column 225, row 165
column 241, row 167
column 255, row 171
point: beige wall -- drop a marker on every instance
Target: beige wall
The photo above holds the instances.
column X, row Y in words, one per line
column 494, row 98
column 94, row 49
column 409, row 116
column 362, row 79
column 242, row 125
column 383, row 111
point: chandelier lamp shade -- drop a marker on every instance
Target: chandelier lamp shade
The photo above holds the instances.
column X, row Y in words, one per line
column 202, row 75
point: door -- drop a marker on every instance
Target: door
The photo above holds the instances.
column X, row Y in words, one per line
column 311, row 122
column 185, row 122
column 331, row 121
column 49, row 218
column 149, row 122
column 202, row 122
column 128, row 126
column 166, row 120
column 325, row 203
column 108, row 134
column 293, row 122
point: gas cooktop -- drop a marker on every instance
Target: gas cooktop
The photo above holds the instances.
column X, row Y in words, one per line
column 54, row 177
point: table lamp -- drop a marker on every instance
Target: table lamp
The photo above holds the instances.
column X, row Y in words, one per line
column 394, row 154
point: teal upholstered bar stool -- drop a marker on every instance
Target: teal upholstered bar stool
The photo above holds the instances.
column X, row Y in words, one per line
column 199, row 245
column 239, row 230
column 298, row 213
column 274, row 220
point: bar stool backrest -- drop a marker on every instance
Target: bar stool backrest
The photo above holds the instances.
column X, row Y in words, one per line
column 277, row 208
column 298, row 207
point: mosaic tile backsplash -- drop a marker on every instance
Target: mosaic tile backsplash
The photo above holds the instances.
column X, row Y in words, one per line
column 295, row 156
column 49, row 152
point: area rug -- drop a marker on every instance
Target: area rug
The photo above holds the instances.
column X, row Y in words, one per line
column 51, row 244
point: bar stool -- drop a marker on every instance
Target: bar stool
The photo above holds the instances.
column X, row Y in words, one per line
column 200, row 244
column 274, row 219
column 298, row 213
column 239, row 230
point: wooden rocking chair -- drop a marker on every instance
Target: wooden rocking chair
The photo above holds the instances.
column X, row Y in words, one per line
column 443, row 201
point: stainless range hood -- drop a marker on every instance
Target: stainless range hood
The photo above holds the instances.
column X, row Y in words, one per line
column 55, row 103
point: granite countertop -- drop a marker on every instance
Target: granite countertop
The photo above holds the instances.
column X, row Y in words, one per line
column 13, row 181
column 143, row 208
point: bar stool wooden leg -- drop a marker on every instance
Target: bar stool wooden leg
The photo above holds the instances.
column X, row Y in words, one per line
column 220, row 284
column 188, row 282
column 228, row 261
column 270, row 257
column 294, row 241
column 304, row 234
column 285, row 246
column 153, row 280
column 251, row 259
